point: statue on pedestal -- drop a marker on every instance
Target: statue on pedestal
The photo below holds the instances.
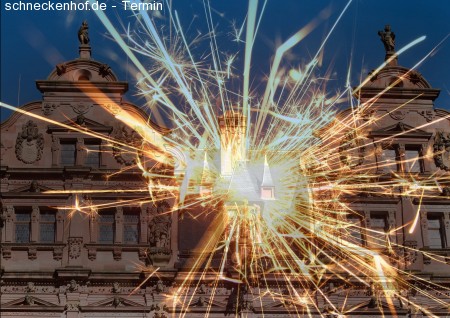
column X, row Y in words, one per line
column 388, row 39
column 83, row 34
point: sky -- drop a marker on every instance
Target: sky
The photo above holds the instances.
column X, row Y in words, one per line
column 32, row 43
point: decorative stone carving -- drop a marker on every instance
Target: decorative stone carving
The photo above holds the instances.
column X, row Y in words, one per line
column 159, row 232
column 32, row 253
column 410, row 252
column 75, row 247
column 57, row 253
column 117, row 253
column 30, row 288
column 61, row 68
column 117, row 301
column 72, row 286
column 92, row 253
column 427, row 114
column 28, row 300
column 159, row 288
column 398, row 114
column 351, row 150
column 113, row 108
column 143, row 254
column 29, row 143
column 441, row 150
column 104, row 70
column 72, row 307
column 48, row 107
column 159, row 311
column 6, row 251
column 34, row 186
column 415, row 77
column 130, row 137
column 116, row 289
column 81, row 108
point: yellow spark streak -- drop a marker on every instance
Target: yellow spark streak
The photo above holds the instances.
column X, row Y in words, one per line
column 416, row 219
column 252, row 8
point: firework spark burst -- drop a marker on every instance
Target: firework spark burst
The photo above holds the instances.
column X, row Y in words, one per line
column 298, row 227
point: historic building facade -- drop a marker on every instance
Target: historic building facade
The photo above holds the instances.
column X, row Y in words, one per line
column 59, row 262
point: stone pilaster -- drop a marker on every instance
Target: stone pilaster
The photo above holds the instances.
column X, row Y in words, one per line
column 34, row 235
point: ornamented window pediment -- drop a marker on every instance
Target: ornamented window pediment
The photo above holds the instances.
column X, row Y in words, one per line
column 401, row 130
column 27, row 300
column 33, row 187
column 115, row 301
column 80, row 122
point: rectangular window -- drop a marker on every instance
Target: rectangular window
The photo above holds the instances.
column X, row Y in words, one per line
column 23, row 227
column 106, row 227
column 390, row 160
column 436, row 232
column 412, row 161
column 92, row 154
column 354, row 230
column 131, row 227
column 47, row 226
column 378, row 226
column 68, row 153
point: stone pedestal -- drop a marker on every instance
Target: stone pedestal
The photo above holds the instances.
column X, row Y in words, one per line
column 85, row 51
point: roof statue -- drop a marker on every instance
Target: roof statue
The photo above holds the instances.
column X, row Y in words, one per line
column 388, row 39
column 83, row 33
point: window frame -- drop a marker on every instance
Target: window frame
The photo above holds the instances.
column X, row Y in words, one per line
column 375, row 238
column 356, row 227
column 419, row 162
column 92, row 142
column 24, row 211
column 441, row 230
column 47, row 211
column 62, row 143
column 131, row 211
column 108, row 224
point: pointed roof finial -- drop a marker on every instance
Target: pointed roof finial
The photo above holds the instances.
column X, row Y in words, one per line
column 83, row 38
column 207, row 174
column 267, row 176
